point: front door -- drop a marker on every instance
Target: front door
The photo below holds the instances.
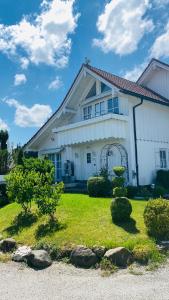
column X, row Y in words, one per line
column 88, row 164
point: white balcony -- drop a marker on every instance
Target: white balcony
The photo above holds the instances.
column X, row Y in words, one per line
column 100, row 128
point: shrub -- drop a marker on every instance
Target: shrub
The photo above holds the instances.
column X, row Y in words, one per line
column 142, row 253
column 3, row 195
column 21, row 187
column 162, row 178
column 132, row 191
column 156, row 218
column 119, row 170
column 47, row 198
column 120, row 192
column 99, row 187
column 118, row 181
column 159, row 191
column 121, row 209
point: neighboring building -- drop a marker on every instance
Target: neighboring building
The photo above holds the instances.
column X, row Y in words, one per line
column 106, row 120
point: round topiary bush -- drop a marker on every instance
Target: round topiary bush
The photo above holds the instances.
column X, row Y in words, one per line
column 99, row 187
column 120, row 192
column 121, row 209
column 118, row 181
column 119, row 170
column 156, row 218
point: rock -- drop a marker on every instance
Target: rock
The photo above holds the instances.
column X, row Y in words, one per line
column 120, row 256
column 39, row 259
column 83, row 257
column 7, row 245
column 163, row 246
column 99, row 251
column 21, row 254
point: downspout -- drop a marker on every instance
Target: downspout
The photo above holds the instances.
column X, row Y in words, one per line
column 135, row 139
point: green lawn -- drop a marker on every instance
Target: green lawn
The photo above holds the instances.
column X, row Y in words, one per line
column 83, row 220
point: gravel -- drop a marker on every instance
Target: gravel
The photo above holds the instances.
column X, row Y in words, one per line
column 62, row 282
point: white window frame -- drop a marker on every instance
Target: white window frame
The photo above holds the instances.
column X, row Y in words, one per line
column 88, row 115
column 163, row 160
column 115, row 108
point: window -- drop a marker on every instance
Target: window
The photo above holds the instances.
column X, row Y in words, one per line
column 99, row 109
column 113, row 105
column 104, row 88
column 87, row 112
column 163, row 159
column 89, row 158
column 92, row 91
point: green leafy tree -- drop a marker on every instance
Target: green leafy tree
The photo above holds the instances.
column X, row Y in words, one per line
column 22, row 186
column 4, row 155
column 3, row 139
column 17, row 155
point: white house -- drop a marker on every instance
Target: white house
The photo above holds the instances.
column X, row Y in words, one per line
column 105, row 120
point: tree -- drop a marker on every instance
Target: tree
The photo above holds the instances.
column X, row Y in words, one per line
column 21, row 187
column 4, row 155
column 17, row 155
column 3, row 139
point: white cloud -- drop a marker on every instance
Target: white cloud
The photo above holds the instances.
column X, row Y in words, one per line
column 160, row 47
column 55, row 84
column 44, row 38
column 135, row 73
column 123, row 25
column 34, row 116
column 20, row 79
column 3, row 125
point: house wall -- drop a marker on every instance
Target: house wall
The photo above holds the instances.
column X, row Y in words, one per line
column 159, row 82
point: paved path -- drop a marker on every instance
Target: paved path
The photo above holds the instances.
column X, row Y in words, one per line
column 62, row 282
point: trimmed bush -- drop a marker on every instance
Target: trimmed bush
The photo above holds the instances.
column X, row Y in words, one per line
column 121, row 209
column 159, row 191
column 99, row 187
column 162, row 178
column 120, row 192
column 156, row 218
column 118, row 181
column 119, row 170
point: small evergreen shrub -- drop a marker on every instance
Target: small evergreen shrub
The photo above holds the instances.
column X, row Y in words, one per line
column 119, row 170
column 99, row 187
column 142, row 253
column 120, row 192
column 156, row 218
column 121, row 209
column 159, row 191
column 162, row 178
column 118, row 181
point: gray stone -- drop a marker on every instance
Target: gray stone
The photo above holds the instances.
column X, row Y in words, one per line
column 39, row 259
column 120, row 256
column 99, row 251
column 83, row 257
column 21, row 254
column 7, row 245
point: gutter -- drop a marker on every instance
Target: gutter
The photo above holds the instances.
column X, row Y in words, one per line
column 135, row 139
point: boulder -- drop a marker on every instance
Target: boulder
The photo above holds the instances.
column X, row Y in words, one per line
column 7, row 245
column 120, row 256
column 83, row 257
column 21, row 254
column 99, row 251
column 39, row 259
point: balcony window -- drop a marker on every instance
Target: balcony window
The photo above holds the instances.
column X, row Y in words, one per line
column 104, row 88
column 87, row 112
column 99, row 109
column 113, row 105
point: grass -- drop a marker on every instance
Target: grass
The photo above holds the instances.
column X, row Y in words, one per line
column 82, row 220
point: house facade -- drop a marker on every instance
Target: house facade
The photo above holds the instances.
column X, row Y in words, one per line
column 106, row 120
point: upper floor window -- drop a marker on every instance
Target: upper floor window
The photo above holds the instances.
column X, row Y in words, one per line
column 87, row 112
column 89, row 158
column 113, row 105
column 99, row 109
column 92, row 91
column 104, row 88
column 163, row 159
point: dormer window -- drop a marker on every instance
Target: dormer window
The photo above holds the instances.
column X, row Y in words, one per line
column 104, row 88
column 92, row 91
column 113, row 105
column 87, row 112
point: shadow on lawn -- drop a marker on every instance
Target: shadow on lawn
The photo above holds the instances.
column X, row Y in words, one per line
column 49, row 228
column 20, row 222
column 129, row 226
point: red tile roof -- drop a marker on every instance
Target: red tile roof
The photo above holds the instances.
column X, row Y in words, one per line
column 128, row 86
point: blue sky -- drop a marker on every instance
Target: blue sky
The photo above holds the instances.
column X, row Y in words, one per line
column 44, row 42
